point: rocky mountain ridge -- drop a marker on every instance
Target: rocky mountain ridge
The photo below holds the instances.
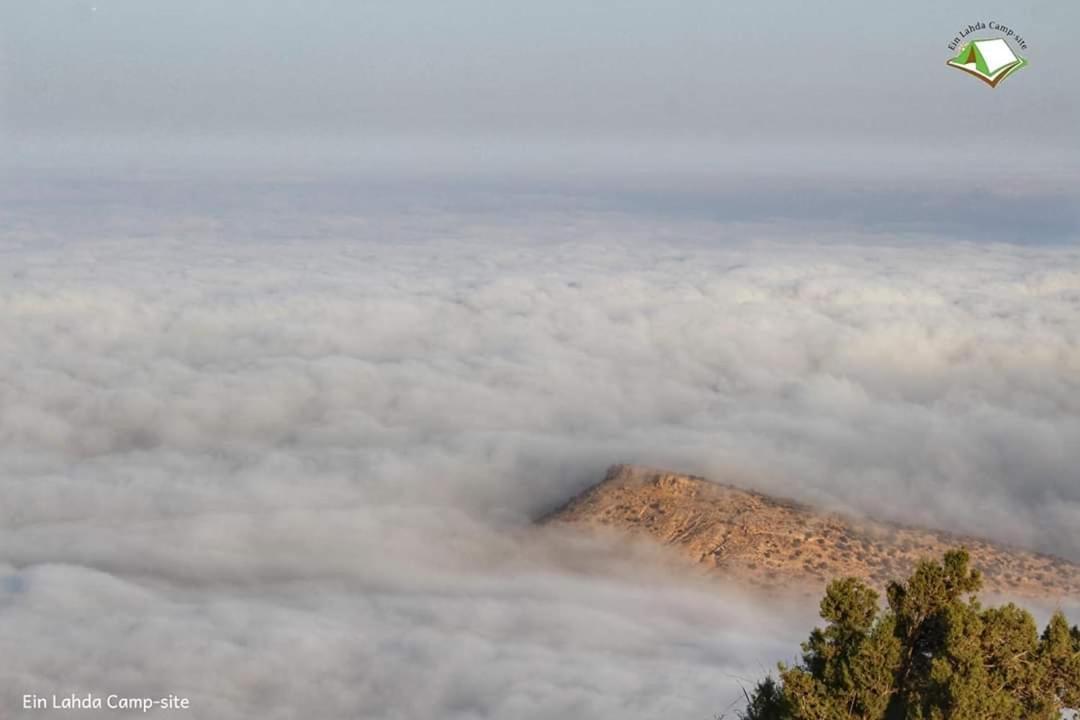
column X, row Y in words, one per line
column 771, row 542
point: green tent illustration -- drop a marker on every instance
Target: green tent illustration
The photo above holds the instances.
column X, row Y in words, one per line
column 989, row 60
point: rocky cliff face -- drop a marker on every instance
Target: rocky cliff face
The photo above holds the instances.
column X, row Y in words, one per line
column 772, row 542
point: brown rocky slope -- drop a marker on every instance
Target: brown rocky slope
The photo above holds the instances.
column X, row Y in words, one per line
column 772, row 542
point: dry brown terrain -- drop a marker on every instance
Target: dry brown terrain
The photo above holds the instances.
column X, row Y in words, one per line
column 772, row 542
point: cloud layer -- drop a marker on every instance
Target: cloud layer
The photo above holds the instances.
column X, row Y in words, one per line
column 290, row 469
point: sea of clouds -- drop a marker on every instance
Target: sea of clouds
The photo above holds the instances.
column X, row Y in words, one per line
column 284, row 459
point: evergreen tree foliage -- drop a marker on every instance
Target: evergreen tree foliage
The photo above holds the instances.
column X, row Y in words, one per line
column 932, row 653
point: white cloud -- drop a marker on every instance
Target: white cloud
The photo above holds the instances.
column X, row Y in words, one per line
column 291, row 472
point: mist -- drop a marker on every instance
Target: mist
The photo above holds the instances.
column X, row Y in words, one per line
column 279, row 449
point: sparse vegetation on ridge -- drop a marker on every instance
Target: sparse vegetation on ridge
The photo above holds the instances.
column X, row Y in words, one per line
column 776, row 544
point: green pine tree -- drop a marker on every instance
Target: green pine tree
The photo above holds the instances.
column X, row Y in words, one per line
column 934, row 653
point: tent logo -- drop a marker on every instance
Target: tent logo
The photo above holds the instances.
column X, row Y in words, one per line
column 989, row 59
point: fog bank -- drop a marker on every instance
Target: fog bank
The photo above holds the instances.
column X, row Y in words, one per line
column 283, row 458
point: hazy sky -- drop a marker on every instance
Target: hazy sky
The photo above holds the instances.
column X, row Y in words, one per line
column 685, row 69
